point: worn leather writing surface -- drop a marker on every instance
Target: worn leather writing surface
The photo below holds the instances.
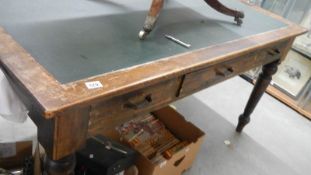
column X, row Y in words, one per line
column 76, row 39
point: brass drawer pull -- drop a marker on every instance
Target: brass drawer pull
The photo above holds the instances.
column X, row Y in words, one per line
column 273, row 52
column 139, row 105
column 225, row 72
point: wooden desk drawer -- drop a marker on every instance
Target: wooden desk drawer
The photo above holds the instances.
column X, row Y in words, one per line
column 111, row 113
column 205, row 77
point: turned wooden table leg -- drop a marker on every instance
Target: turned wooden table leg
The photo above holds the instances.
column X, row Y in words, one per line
column 152, row 18
column 218, row 6
column 64, row 166
column 61, row 137
column 262, row 83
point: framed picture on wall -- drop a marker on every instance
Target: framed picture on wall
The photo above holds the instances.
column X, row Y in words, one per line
column 293, row 74
column 303, row 43
column 305, row 97
column 276, row 6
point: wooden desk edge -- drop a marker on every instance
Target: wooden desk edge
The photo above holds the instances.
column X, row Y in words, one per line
column 53, row 97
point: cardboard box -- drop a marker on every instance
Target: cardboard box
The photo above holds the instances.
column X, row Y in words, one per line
column 177, row 125
column 183, row 159
column 12, row 155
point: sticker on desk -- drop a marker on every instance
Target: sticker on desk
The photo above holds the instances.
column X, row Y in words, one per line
column 7, row 150
column 93, row 85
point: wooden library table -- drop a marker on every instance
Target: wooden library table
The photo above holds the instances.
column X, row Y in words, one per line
column 79, row 66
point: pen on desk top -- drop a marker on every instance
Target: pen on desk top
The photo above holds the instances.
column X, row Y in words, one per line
column 177, row 41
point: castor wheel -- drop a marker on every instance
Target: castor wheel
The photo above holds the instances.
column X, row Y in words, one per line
column 238, row 18
column 238, row 21
column 142, row 34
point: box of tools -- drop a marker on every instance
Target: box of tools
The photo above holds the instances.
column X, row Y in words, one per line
column 165, row 141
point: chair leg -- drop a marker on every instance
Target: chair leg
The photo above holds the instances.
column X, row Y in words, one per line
column 151, row 19
column 218, row 6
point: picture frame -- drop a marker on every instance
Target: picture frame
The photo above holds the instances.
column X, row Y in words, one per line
column 293, row 75
column 303, row 43
column 305, row 97
column 279, row 7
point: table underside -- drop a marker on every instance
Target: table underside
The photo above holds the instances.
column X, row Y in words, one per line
column 77, row 39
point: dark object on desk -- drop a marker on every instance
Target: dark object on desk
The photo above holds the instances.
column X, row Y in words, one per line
column 97, row 158
column 157, row 5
